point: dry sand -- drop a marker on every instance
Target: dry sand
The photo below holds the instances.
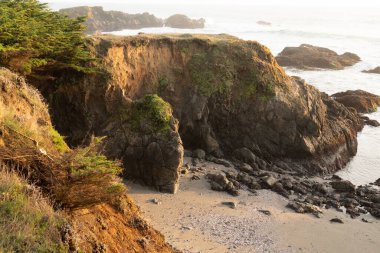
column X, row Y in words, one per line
column 195, row 220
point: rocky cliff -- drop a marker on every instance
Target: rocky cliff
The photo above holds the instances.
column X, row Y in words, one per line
column 226, row 94
column 47, row 203
column 99, row 20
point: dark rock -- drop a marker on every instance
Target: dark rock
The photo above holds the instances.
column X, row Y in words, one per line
column 336, row 177
column 244, row 155
column 372, row 122
column 223, row 162
column 375, row 212
column 361, row 101
column 377, row 182
column 216, row 187
column 373, row 71
column 336, row 220
column 311, row 57
column 278, row 187
column 195, row 177
column 321, row 188
column 343, row 186
column 143, row 242
column 353, row 212
column 254, row 186
column 304, row 208
column 232, row 205
column 244, row 178
column 220, row 182
column 266, row 212
column 245, row 168
column 375, row 198
column 269, row 181
column 199, row 153
column 366, row 221
column 184, row 22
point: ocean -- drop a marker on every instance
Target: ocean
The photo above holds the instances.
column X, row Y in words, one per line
column 342, row 29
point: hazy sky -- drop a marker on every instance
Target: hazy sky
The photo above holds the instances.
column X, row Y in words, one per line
column 251, row 2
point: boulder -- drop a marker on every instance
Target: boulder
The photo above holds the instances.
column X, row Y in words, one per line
column 312, row 57
column 220, row 182
column 184, row 22
column 361, row 101
column 343, row 186
column 244, row 155
column 373, row 71
column 146, row 138
column 264, row 23
column 199, row 153
column 372, row 122
column 377, row 182
column 270, row 181
column 336, row 220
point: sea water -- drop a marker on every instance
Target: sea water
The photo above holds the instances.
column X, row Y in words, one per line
column 342, row 29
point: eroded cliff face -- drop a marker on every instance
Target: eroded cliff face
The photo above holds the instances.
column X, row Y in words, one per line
column 226, row 94
column 34, row 177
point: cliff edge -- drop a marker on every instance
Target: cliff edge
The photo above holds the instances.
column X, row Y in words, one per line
column 226, row 94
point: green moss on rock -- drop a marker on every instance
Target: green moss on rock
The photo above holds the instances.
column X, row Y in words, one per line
column 151, row 114
column 58, row 140
column 211, row 72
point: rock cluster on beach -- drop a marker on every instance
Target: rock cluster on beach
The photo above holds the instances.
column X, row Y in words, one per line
column 306, row 195
column 312, row 57
column 98, row 20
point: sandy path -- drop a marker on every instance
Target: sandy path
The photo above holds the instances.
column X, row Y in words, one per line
column 194, row 220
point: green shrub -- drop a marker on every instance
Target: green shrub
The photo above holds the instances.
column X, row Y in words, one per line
column 58, row 141
column 33, row 36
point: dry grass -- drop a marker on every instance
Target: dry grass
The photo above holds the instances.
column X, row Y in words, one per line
column 23, row 111
column 28, row 223
column 29, row 142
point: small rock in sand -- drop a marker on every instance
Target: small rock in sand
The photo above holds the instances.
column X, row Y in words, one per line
column 270, row 181
column 155, row 201
column 336, row 220
column 232, row 205
column 266, row 212
column 366, row 221
column 195, row 177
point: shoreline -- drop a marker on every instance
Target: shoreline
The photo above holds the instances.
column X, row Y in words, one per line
column 195, row 220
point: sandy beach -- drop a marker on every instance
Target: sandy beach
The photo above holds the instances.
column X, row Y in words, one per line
column 195, row 220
